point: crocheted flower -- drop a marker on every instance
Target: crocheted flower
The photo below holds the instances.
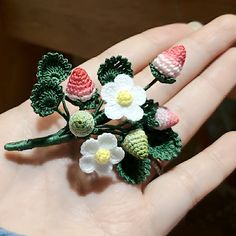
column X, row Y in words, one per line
column 80, row 86
column 123, row 98
column 170, row 62
column 81, row 123
column 53, row 66
column 165, row 118
column 46, row 97
column 100, row 155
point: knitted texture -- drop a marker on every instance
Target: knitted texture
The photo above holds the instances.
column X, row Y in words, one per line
column 81, row 123
column 112, row 67
column 133, row 170
column 80, row 86
column 150, row 108
column 165, row 118
column 160, row 77
column 46, row 97
column 118, row 126
column 53, row 66
column 86, row 105
column 164, row 145
column 136, row 144
column 170, row 62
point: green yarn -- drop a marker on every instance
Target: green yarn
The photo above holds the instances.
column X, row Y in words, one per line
column 46, row 97
column 133, row 170
column 113, row 67
column 92, row 103
column 81, row 123
column 150, row 108
column 53, row 66
column 136, row 143
column 160, row 77
column 164, row 145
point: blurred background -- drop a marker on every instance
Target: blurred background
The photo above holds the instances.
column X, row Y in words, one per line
column 82, row 29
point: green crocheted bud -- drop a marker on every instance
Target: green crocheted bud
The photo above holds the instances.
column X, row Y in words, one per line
column 133, row 170
column 46, row 97
column 136, row 143
column 113, row 67
column 81, row 123
column 53, row 66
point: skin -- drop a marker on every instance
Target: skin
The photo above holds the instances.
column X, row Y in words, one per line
column 43, row 192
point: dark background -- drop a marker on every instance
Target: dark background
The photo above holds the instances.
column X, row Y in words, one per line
column 82, row 29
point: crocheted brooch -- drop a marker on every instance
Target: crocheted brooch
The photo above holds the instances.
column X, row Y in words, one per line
column 141, row 131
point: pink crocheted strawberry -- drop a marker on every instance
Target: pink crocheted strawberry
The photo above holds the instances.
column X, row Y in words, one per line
column 165, row 118
column 171, row 61
column 80, row 86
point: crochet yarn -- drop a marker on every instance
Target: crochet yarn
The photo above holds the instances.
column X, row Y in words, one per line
column 80, row 86
column 133, row 170
column 165, row 118
column 81, row 123
column 46, row 97
column 53, row 66
column 170, row 62
column 136, row 143
column 164, row 145
column 116, row 124
column 113, row 67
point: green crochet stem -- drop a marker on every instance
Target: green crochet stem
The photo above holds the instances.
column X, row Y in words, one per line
column 150, row 84
column 60, row 137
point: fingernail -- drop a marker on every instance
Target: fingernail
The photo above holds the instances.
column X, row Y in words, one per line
column 195, row 25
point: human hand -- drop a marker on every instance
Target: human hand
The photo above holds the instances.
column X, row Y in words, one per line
column 43, row 192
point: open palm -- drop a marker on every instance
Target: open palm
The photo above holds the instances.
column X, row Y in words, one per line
column 43, row 191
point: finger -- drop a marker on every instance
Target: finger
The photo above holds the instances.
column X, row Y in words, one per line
column 197, row 101
column 202, row 47
column 173, row 194
column 139, row 49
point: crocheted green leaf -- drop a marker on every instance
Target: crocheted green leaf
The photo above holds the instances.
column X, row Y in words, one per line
column 150, row 108
column 90, row 104
column 164, row 145
column 53, row 66
column 112, row 67
column 133, row 170
column 160, row 77
column 46, row 97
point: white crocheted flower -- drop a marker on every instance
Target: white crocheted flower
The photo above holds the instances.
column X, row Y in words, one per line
column 101, row 154
column 123, row 98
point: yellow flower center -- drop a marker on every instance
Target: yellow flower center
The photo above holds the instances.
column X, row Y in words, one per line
column 102, row 156
column 124, row 98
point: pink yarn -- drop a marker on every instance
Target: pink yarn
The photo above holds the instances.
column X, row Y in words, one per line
column 80, row 86
column 165, row 118
column 171, row 61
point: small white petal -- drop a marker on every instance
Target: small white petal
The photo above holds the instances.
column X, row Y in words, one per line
column 104, row 169
column 117, row 154
column 107, row 141
column 113, row 111
column 89, row 147
column 87, row 164
column 139, row 95
column 108, row 92
column 133, row 112
column 123, row 81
